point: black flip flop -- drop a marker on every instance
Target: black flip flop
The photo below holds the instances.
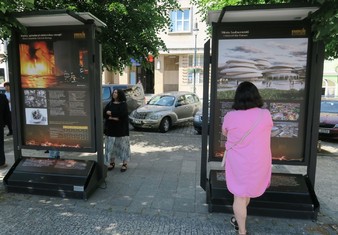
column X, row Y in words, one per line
column 124, row 167
column 112, row 166
column 234, row 223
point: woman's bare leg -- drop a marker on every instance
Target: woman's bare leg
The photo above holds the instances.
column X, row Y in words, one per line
column 240, row 211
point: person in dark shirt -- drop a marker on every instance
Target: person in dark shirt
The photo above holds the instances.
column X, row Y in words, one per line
column 116, row 130
column 8, row 96
column 4, row 120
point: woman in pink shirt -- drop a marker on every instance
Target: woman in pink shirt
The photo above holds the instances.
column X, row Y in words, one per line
column 248, row 160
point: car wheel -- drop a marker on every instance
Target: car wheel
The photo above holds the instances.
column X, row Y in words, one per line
column 165, row 125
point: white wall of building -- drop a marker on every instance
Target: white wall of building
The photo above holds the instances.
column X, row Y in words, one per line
column 330, row 78
column 171, row 68
column 3, row 65
column 182, row 45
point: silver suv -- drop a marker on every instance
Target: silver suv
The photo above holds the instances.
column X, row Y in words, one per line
column 166, row 110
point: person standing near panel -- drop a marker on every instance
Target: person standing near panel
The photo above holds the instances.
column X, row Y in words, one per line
column 116, row 130
column 8, row 95
column 4, row 119
column 248, row 165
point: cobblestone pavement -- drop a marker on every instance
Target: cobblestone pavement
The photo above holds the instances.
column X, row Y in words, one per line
column 159, row 194
column 183, row 128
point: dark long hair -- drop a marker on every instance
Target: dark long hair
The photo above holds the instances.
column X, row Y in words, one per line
column 121, row 97
column 247, row 96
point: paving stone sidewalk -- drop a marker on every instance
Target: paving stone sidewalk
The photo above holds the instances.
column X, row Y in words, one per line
column 159, row 194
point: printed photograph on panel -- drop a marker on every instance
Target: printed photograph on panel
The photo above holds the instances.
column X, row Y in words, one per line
column 277, row 66
column 36, row 116
column 53, row 60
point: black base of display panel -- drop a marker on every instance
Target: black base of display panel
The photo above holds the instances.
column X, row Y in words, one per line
column 53, row 177
column 289, row 196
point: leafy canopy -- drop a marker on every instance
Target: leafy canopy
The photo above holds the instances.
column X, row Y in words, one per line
column 7, row 22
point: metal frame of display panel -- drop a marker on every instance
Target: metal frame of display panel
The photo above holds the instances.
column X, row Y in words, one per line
column 70, row 93
column 307, row 109
column 282, row 81
column 289, row 81
column 54, row 103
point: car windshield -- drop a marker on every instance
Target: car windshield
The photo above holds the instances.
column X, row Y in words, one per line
column 164, row 100
column 329, row 107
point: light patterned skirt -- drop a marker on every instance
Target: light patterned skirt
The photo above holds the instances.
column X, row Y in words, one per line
column 116, row 147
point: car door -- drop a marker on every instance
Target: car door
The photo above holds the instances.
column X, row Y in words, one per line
column 191, row 105
column 197, row 104
column 181, row 107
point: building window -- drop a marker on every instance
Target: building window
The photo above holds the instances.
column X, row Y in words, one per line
column 2, row 75
column 199, row 77
column 198, row 69
column 180, row 21
column 199, row 60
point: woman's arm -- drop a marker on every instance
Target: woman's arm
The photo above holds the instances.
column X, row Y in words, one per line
column 120, row 113
column 224, row 129
column 105, row 110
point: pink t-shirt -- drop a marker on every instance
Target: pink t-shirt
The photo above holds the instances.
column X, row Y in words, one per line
column 248, row 164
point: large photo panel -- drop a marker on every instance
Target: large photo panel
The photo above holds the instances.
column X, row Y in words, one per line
column 55, row 89
column 275, row 59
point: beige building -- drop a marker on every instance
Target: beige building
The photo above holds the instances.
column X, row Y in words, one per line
column 3, row 65
column 174, row 69
column 330, row 78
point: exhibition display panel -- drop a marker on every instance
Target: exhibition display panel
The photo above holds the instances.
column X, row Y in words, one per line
column 55, row 68
column 277, row 53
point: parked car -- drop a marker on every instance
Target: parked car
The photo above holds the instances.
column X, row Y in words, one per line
column 166, row 110
column 198, row 120
column 134, row 94
column 328, row 124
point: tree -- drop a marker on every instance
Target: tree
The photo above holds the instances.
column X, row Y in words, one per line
column 132, row 26
column 7, row 22
column 325, row 21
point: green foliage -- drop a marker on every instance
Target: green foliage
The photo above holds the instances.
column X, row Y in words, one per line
column 325, row 24
column 132, row 26
column 325, row 20
column 7, row 22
